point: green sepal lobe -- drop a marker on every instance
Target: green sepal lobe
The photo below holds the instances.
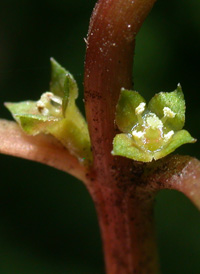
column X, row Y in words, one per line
column 180, row 138
column 175, row 101
column 123, row 145
column 125, row 110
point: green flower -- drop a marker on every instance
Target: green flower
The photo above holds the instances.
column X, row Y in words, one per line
column 56, row 113
column 153, row 131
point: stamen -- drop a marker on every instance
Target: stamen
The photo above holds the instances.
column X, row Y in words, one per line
column 168, row 113
column 168, row 135
column 137, row 134
column 139, row 110
column 49, row 104
column 56, row 101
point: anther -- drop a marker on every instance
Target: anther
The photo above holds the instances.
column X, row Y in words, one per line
column 168, row 113
column 168, row 135
column 138, row 111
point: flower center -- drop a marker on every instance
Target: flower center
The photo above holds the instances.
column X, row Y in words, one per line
column 149, row 133
column 50, row 105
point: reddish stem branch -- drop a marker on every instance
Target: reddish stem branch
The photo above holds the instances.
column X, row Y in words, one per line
column 176, row 172
column 42, row 148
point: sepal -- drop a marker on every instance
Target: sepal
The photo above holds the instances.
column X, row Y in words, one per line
column 125, row 110
column 173, row 100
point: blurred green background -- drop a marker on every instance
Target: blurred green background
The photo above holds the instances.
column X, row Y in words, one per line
column 48, row 223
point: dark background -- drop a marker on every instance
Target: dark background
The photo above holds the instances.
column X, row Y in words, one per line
column 48, row 223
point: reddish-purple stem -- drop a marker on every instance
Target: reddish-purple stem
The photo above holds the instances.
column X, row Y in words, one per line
column 108, row 68
column 125, row 214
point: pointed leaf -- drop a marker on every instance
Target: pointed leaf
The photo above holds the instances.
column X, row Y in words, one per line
column 173, row 100
column 125, row 111
column 123, row 145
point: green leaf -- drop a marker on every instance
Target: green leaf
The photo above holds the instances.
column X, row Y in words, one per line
column 125, row 111
column 180, row 137
column 123, row 145
column 173, row 100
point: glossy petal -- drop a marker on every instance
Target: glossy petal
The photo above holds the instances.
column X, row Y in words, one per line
column 125, row 111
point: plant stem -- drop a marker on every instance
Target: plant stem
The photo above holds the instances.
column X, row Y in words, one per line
column 125, row 211
column 176, row 172
column 127, row 228
column 108, row 68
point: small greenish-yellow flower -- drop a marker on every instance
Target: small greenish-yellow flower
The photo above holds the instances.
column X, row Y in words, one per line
column 153, row 131
column 56, row 113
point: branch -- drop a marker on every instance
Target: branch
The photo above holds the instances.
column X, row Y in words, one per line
column 176, row 172
column 41, row 148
